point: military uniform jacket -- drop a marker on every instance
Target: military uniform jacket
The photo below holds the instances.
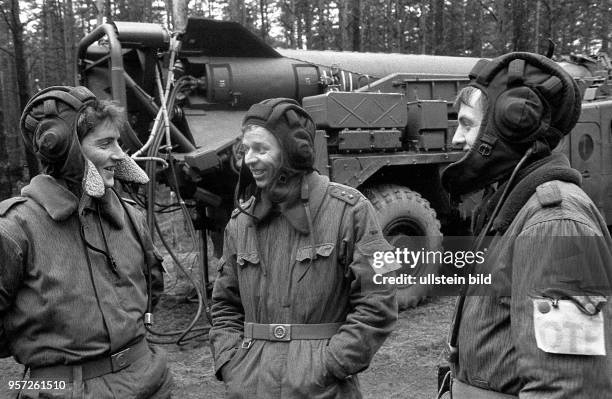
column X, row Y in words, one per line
column 54, row 308
column 265, row 276
column 535, row 340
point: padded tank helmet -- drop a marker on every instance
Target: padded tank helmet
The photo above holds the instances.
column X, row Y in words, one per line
column 48, row 128
column 532, row 102
column 294, row 129
column 52, row 124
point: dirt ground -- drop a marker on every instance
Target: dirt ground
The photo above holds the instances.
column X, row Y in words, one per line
column 404, row 367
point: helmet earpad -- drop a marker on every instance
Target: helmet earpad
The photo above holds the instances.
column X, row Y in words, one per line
column 520, row 114
column 48, row 120
column 52, row 139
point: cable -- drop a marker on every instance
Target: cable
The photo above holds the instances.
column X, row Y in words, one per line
column 190, row 328
column 168, row 98
column 160, row 130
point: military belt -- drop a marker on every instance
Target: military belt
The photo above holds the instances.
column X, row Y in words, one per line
column 288, row 332
column 94, row 368
column 461, row 390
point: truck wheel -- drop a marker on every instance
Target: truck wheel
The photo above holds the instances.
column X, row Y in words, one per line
column 402, row 214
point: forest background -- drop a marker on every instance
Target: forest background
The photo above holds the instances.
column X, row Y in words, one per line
column 38, row 38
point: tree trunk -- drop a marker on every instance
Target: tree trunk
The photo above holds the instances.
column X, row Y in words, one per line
column 604, row 31
column 69, row 42
column 22, row 77
column 520, row 31
column 299, row 28
column 322, row 32
column 6, row 185
column 289, row 21
column 100, row 6
column 500, row 37
column 438, row 33
column 399, row 25
column 108, row 11
column 179, row 15
column 170, row 6
column 44, row 39
column 237, row 11
column 263, row 7
column 308, row 31
column 343, row 16
column 425, row 23
column 356, row 25
column 454, row 28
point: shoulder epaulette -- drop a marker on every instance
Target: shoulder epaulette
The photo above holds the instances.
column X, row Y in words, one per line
column 344, row 193
column 245, row 205
column 549, row 194
column 6, row 205
column 129, row 201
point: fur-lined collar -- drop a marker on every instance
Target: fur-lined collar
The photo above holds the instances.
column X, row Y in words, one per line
column 53, row 195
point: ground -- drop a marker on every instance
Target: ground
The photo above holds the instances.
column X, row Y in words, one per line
column 405, row 366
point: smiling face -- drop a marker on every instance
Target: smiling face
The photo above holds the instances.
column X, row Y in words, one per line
column 262, row 154
column 469, row 118
column 101, row 147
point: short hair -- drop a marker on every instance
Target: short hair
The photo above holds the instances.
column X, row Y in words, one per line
column 465, row 96
column 250, row 127
column 97, row 113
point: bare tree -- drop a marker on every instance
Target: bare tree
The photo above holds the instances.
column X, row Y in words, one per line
column 237, row 11
column 69, row 41
column 179, row 15
column 520, row 33
column 263, row 13
column 356, row 25
column 604, row 30
column 13, row 21
column 438, row 32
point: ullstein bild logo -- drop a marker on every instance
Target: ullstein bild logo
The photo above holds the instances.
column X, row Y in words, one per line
column 433, row 279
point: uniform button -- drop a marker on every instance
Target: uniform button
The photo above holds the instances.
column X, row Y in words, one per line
column 351, row 196
column 544, row 307
column 343, row 193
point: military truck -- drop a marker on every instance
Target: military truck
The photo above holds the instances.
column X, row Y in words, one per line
column 384, row 121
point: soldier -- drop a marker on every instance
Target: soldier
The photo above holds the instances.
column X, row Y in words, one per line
column 295, row 311
column 543, row 331
column 74, row 256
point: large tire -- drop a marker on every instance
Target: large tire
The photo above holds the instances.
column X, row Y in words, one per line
column 403, row 213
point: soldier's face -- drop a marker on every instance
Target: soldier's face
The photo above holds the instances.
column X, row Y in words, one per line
column 469, row 118
column 262, row 154
column 101, row 147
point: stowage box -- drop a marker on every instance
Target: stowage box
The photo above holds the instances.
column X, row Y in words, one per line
column 353, row 110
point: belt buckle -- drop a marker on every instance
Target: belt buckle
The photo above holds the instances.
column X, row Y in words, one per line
column 120, row 360
column 280, row 332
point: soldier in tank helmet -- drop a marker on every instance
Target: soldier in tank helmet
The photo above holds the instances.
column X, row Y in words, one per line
column 295, row 311
column 543, row 331
column 73, row 291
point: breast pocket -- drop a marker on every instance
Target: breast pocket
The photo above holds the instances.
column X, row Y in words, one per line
column 245, row 258
column 319, row 257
